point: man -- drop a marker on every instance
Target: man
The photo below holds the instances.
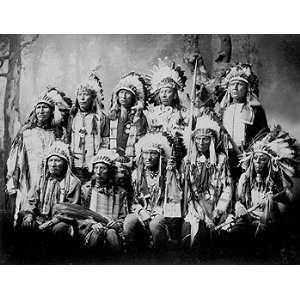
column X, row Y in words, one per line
column 127, row 120
column 265, row 188
column 209, row 191
column 243, row 116
column 56, row 185
column 106, row 199
column 39, row 224
column 25, row 162
column 157, row 194
column 169, row 115
column 89, row 126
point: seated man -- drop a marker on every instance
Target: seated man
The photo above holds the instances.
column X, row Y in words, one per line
column 57, row 185
column 264, row 189
column 106, row 199
column 209, row 192
column 157, row 194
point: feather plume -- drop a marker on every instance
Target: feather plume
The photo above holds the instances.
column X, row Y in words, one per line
column 167, row 74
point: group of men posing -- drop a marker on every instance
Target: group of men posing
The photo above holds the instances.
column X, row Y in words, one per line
column 151, row 171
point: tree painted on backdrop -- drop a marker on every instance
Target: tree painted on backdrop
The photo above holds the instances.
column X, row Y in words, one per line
column 11, row 47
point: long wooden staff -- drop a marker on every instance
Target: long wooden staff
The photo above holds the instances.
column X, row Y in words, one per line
column 187, row 168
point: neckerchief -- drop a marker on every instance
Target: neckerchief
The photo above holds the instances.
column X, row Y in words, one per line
column 52, row 196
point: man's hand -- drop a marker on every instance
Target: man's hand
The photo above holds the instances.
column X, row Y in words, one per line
column 28, row 221
column 209, row 223
column 240, row 209
column 217, row 214
column 47, row 224
column 116, row 225
column 262, row 201
column 97, row 227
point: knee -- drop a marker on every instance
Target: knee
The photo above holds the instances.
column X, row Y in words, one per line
column 95, row 240
column 113, row 240
column 62, row 229
column 156, row 223
column 186, row 229
column 130, row 223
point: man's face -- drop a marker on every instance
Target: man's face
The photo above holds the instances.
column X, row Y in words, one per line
column 238, row 90
column 101, row 172
column 43, row 113
column 260, row 161
column 122, row 176
column 167, row 96
column 151, row 159
column 85, row 100
column 56, row 166
column 126, row 98
column 202, row 143
column 64, row 114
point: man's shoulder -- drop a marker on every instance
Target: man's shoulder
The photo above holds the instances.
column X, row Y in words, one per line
column 37, row 134
column 75, row 181
column 28, row 132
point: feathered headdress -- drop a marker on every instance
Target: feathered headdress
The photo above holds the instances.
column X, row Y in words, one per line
column 205, row 125
column 59, row 98
column 103, row 156
column 47, row 99
column 154, row 141
column 283, row 151
column 94, row 87
column 56, row 100
column 59, row 149
column 135, row 83
column 244, row 73
column 54, row 97
column 166, row 75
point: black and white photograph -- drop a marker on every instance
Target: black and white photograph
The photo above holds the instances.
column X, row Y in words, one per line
column 150, row 149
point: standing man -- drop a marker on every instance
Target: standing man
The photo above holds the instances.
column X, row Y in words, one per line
column 89, row 126
column 168, row 115
column 25, row 162
column 243, row 116
column 127, row 120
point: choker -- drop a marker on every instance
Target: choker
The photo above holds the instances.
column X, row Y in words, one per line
column 152, row 174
